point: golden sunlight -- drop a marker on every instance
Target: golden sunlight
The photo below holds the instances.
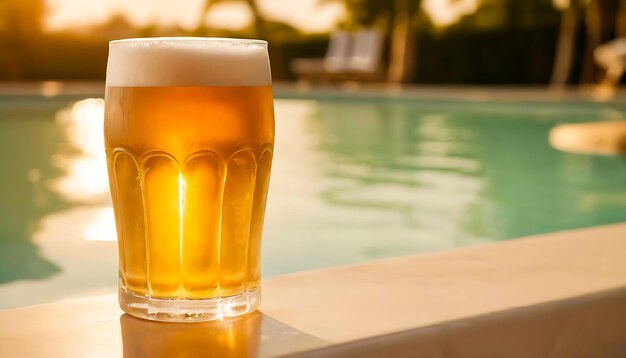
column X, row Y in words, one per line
column 448, row 12
column 101, row 227
column 63, row 14
column 306, row 15
column 229, row 16
column 85, row 176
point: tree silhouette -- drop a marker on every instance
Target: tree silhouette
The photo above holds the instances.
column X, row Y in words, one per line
column 22, row 19
column 20, row 27
column 601, row 21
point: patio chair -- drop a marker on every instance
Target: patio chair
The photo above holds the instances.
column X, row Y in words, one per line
column 335, row 60
column 612, row 57
column 607, row 138
column 349, row 56
column 367, row 51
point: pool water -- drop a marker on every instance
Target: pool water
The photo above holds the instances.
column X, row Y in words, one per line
column 355, row 178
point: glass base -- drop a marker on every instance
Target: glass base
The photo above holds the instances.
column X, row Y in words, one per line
column 189, row 310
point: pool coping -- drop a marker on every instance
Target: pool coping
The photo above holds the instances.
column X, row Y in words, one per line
column 586, row 326
column 560, row 295
column 451, row 285
column 365, row 91
column 478, row 94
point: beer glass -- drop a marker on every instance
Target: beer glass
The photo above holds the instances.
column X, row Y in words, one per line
column 189, row 135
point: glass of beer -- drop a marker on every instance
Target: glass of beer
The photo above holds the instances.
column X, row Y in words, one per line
column 189, row 135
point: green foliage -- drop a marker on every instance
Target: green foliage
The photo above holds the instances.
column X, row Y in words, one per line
column 511, row 14
column 491, row 14
column 486, row 46
column 376, row 12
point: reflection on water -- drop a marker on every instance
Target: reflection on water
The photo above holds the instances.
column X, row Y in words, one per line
column 85, row 267
column 360, row 179
column 101, row 227
column 64, row 234
column 420, row 166
column 27, row 137
column 352, row 180
column 492, row 172
column 85, row 178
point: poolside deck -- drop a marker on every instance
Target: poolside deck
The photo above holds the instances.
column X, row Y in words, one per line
column 557, row 295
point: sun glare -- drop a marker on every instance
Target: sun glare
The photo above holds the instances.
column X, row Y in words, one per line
column 85, row 176
column 229, row 16
column 101, row 227
column 448, row 12
column 305, row 15
column 64, row 14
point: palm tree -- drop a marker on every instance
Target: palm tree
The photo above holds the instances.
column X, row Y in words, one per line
column 603, row 19
column 564, row 53
column 403, row 41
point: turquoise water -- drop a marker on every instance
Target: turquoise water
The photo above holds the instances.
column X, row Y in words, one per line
column 354, row 179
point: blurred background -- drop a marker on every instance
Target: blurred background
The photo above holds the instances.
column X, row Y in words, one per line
column 402, row 127
column 424, row 41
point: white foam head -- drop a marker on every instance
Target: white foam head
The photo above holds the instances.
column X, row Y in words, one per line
column 187, row 61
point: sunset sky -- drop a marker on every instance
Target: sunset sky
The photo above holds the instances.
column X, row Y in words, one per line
column 306, row 15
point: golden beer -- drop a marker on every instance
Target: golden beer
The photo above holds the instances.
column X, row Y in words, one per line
column 189, row 153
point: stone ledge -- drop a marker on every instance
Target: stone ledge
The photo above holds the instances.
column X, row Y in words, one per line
column 381, row 297
column 559, row 295
column 587, row 326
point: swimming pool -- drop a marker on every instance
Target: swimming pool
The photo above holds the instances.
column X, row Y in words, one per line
column 355, row 178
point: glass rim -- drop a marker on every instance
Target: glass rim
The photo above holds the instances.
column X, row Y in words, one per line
column 184, row 39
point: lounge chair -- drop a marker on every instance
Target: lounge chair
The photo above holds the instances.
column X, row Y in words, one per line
column 336, row 59
column 367, row 51
column 612, row 57
column 349, row 56
column 608, row 138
